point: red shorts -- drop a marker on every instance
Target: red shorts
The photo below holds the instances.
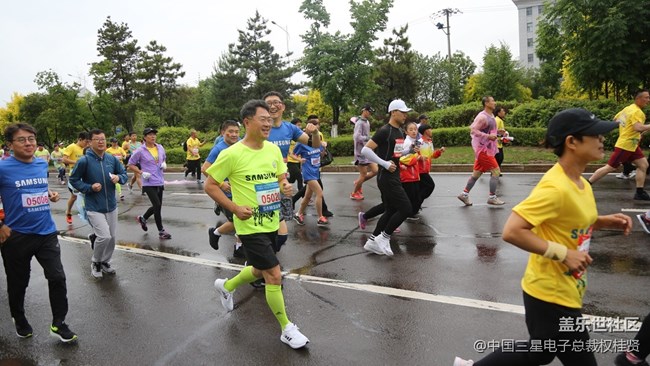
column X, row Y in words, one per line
column 620, row 156
column 485, row 163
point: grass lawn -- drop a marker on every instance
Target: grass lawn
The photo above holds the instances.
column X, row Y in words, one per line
column 465, row 155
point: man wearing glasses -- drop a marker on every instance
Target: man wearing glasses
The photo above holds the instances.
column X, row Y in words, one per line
column 96, row 175
column 28, row 230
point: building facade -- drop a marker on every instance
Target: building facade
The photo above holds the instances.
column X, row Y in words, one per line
column 529, row 12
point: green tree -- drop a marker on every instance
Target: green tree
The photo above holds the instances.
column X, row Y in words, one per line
column 442, row 83
column 117, row 72
column 11, row 112
column 549, row 50
column 601, row 39
column 158, row 75
column 340, row 65
column 395, row 70
column 501, row 77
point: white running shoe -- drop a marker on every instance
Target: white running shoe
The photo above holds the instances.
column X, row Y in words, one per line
column 495, row 201
column 465, row 199
column 292, row 336
column 460, row 362
column 384, row 244
column 372, row 246
column 226, row 297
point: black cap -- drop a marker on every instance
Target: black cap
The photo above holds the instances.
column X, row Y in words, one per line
column 149, row 130
column 423, row 116
column 40, row 144
column 368, row 108
column 423, row 127
column 575, row 121
column 113, row 139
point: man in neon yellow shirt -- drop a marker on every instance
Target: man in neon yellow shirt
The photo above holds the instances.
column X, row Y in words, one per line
column 193, row 158
column 555, row 224
column 256, row 172
column 71, row 154
column 631, row 124
column 120, row 154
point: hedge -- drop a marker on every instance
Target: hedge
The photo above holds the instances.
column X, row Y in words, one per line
column 461, row 115
column 538, row 112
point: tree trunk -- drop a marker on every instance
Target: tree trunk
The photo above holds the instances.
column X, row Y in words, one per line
column 336, row 113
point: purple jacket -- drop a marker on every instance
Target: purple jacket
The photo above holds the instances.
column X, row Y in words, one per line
column 147, row 163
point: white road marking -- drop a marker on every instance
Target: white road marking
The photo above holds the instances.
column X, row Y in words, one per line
column 640, row 210
column 389, row 291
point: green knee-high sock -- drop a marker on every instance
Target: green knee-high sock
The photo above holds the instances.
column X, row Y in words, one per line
column 243, row 277
column 276, row 302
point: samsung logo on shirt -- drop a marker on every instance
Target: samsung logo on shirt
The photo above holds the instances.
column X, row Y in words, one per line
column 282, row 143
column 30, row 182
column 262, row 176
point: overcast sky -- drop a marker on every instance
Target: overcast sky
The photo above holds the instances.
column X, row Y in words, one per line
column 37, row 35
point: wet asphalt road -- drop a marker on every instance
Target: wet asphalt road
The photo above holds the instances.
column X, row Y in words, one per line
column 452, row 282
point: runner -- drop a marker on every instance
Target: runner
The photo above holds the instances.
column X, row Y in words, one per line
column 256, row 171
column 555, row 224
column 116, row 151
column 71, row 154
column 57, row 157
column 361, row 135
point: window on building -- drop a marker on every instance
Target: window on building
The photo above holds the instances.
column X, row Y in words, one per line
column 529, row 11
column 529, row 27
column 530, row 42
column 531, row 58
column 540, row 9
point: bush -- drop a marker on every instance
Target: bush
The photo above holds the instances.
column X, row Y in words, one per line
column 172, row 137
column 461, row 115
column 176, row 155
column 341, row 146
column 459, row 136
column 538, row 112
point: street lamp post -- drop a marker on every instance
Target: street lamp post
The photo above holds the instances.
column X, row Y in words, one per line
column 446, row 12
column 285, row 31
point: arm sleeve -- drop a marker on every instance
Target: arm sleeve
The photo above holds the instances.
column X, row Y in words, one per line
column 370, row 155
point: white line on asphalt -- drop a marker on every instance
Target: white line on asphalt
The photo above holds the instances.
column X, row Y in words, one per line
column 633, row 210
column 407, row 294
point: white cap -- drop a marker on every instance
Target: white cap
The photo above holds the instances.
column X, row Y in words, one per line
column 398, row 105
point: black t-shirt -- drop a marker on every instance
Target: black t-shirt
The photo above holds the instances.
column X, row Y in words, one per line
column 389, row 142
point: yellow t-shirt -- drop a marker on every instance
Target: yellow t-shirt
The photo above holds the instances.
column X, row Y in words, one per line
column 154, row 152
column 628, row 138
column 290, row 158
column 117, row 152
column 559, row 212
column 193, row 149
column 253, row 176
column 500, row 126
column 73, row 152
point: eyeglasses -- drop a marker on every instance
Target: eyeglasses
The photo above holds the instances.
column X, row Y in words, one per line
column 275, row 102
column 99, row 140
column 22, row 140
column 264, row 119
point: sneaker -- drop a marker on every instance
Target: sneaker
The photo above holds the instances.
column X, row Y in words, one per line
column 412, row 218
column 213, row 238
column 465, row 199
column 62, row 182
column 63, row 333
column 300, row 219
column 130, row 187
column 645, row 223
column 162, row 234
column 384, row 243
column 143, row 222
column 622, row 176
column 322, row 221
column 68, row 219
column 494, row 200
column 460, row 362
column 258, row 283
column 106, row 268
column 372, row 246
column 198, row 181
column 643, row 196
column 362, row 220
column 238, row 252
column 621, row 360
column 328, row 214
column 91, row 238
column 96, row 270
column 292, row 336
column 356, row 196
column 226, row 297
column 397, row 231
column 23, row 329
column 121, row 197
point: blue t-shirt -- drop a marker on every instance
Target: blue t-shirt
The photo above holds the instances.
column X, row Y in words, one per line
column 23, row 188
column 214, row 154
column 283, row 135
column 310, row 168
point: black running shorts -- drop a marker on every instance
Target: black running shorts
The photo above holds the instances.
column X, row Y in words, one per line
column 259, row 250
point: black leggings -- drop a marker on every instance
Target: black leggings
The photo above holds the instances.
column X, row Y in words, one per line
column 499, row 157
column 295, row 174
column 155, row 194
column 397, row 206
column 194, row 166
column 301, row 194
column 543, row 320
column 644, row 339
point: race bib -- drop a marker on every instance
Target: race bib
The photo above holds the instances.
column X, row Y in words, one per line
column 315, row 161
column 268, row 196
column 399, row 147
column 195, row 151
column 31, row 200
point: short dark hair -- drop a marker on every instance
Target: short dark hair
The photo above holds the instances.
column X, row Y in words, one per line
column 498, row 109
column 229, row 123
column 639, row 92
column 296, row 121
column 12, row 129
column 250, row 108
column 94, row 132
column 83, row 135
column 407, row 124
column 485, row 99
column 273, row 93
column 132, row 133
column 312, row 116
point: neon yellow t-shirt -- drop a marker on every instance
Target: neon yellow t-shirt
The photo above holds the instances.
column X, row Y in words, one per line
column 500, row 126
column 154, row 152
column 559, row 212
column 117, row 152
column 628, row 138
column 290, row 158
column 253, row 176
column 193, row 149
column 73, row 152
